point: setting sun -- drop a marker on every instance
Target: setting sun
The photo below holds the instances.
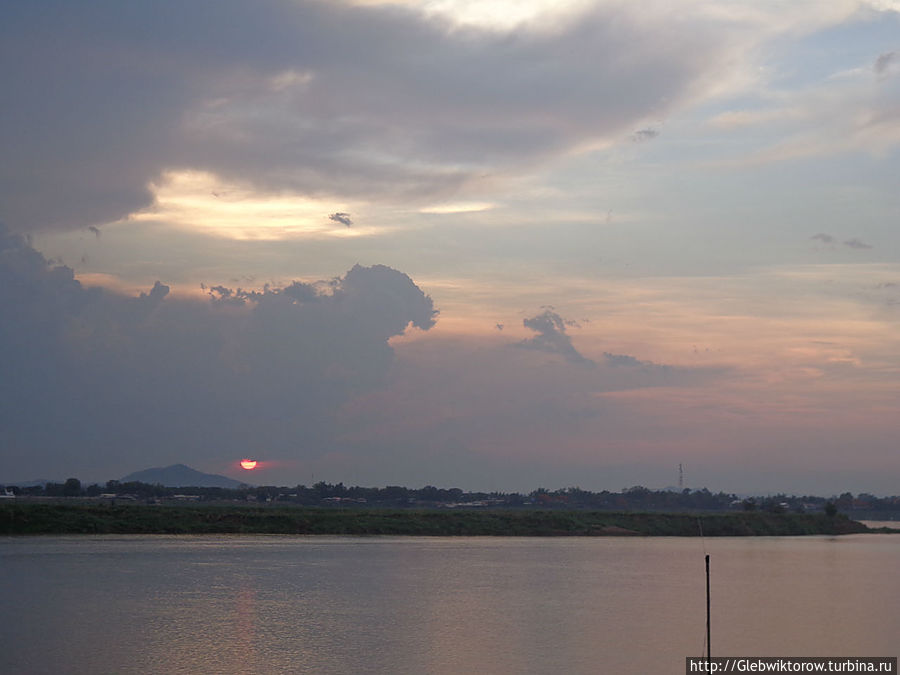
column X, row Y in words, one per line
column 248, row 464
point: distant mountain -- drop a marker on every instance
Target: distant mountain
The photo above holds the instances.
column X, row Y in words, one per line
column 179, row 475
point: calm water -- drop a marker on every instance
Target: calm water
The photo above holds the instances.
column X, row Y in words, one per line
column 272, row 604
column 892, row 524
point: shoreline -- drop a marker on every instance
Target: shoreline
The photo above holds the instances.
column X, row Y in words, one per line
column 57, row 518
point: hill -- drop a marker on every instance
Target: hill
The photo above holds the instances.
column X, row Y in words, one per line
column 179, row 475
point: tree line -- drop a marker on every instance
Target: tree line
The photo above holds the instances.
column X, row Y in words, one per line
column 337, row 494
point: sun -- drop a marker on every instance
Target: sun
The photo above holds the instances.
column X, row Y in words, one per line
column 248, row 464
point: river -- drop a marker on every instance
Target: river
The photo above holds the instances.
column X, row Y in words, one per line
column 283, row 604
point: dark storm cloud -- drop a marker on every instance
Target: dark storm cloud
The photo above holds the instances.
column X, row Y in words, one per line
column 101, row 97
column 551, row 337
column 114, row 380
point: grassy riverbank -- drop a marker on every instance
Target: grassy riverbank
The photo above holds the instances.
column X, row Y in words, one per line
column 61, row 518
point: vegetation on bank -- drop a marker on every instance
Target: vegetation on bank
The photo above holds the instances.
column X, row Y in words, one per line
column 637, row 498
column 100, row 518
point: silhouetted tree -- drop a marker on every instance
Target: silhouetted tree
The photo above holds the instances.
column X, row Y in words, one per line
column 72, row 487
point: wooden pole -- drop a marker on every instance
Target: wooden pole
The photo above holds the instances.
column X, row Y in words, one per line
column 708, row 646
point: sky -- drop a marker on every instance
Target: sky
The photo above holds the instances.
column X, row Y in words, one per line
column 490, row 244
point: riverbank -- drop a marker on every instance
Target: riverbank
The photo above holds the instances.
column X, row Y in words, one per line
column 61, row 518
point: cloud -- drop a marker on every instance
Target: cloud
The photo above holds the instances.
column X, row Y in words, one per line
column 811, row 116
column 551, row 337
column 155, row 296
column 362, row 102
column 883, row 62
column 452, row 408
column 616, row 360
column 342, row 218
column 647, row 134
column 97, row 380
column 849, row 243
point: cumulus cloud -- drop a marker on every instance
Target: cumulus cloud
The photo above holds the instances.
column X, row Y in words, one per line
column 551, row 337
column 123, row 379
column 378, row 102
column 824, row 238
column 157, row 293
column 452, row 408
column 856, row 243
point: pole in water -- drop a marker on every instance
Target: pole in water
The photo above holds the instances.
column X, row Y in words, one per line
column 708, row 646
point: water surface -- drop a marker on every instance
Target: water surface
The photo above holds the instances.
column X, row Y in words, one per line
column 287, row 604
